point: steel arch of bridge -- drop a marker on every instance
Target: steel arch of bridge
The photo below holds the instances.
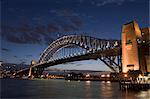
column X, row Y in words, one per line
column 91, row 44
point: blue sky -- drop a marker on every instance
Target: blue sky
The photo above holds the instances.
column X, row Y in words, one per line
column 28, row 26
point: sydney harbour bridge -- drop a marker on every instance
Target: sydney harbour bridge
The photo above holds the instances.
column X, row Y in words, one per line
column 79, row 47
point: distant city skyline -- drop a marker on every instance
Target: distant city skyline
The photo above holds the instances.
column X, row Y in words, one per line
column 28, row 26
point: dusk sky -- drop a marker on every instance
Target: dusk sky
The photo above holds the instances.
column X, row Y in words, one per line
column 28, row 26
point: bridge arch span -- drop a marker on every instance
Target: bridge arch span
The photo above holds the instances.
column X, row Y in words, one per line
column 85, row 42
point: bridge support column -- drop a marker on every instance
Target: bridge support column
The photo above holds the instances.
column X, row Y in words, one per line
column 30, row 72
column 31, row 68
column 130, row 58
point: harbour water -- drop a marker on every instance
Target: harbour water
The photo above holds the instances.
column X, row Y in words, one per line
column 61, row 89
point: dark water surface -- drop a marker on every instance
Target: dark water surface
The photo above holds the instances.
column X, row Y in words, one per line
column 61, row 89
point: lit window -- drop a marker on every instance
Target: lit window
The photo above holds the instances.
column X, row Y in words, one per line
column 138, row 40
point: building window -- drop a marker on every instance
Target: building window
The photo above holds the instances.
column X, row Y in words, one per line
column 142, row 33
column 131, row 65
column 129, row 42
column 138, row 40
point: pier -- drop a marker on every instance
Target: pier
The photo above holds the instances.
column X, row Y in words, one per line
column 134, row 85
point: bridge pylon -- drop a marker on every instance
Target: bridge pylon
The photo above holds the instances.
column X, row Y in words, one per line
column 30, row 69
column 130, row 58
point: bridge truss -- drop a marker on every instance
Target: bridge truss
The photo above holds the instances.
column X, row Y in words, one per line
column 74, row 46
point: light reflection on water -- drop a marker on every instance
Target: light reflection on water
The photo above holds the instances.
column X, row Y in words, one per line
column 144, row 95
column 88, row 89
column 61, row 89
column 106, row 89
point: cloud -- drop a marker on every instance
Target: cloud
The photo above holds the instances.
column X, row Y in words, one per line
column 29, row 56
column 72, row 21
column 5, row 49
column 20, row 34
column 23, row 61
column 15, row 56
column 63, row 12
column 68, row 28
column 48, row 39
column 79, row 64
column 42, row 33
column 24, row 28
column 25, row 34
column 24, row 39
column 105, row 2
column 76, row 21
column 40, row 29
column 52, row 27
column 73, row 63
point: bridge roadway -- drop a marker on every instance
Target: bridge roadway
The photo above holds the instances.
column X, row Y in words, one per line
column 91, row 55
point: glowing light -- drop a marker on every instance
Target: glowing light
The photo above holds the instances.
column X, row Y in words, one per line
column 88, row 82
column 69, row 75
column 140, row 76
column 87, row 75
column 102, row 75
column 108, row 82
column 108, row 75
column 68, row 80
column 90, row 49
column 142, row 33
column 125, row 75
